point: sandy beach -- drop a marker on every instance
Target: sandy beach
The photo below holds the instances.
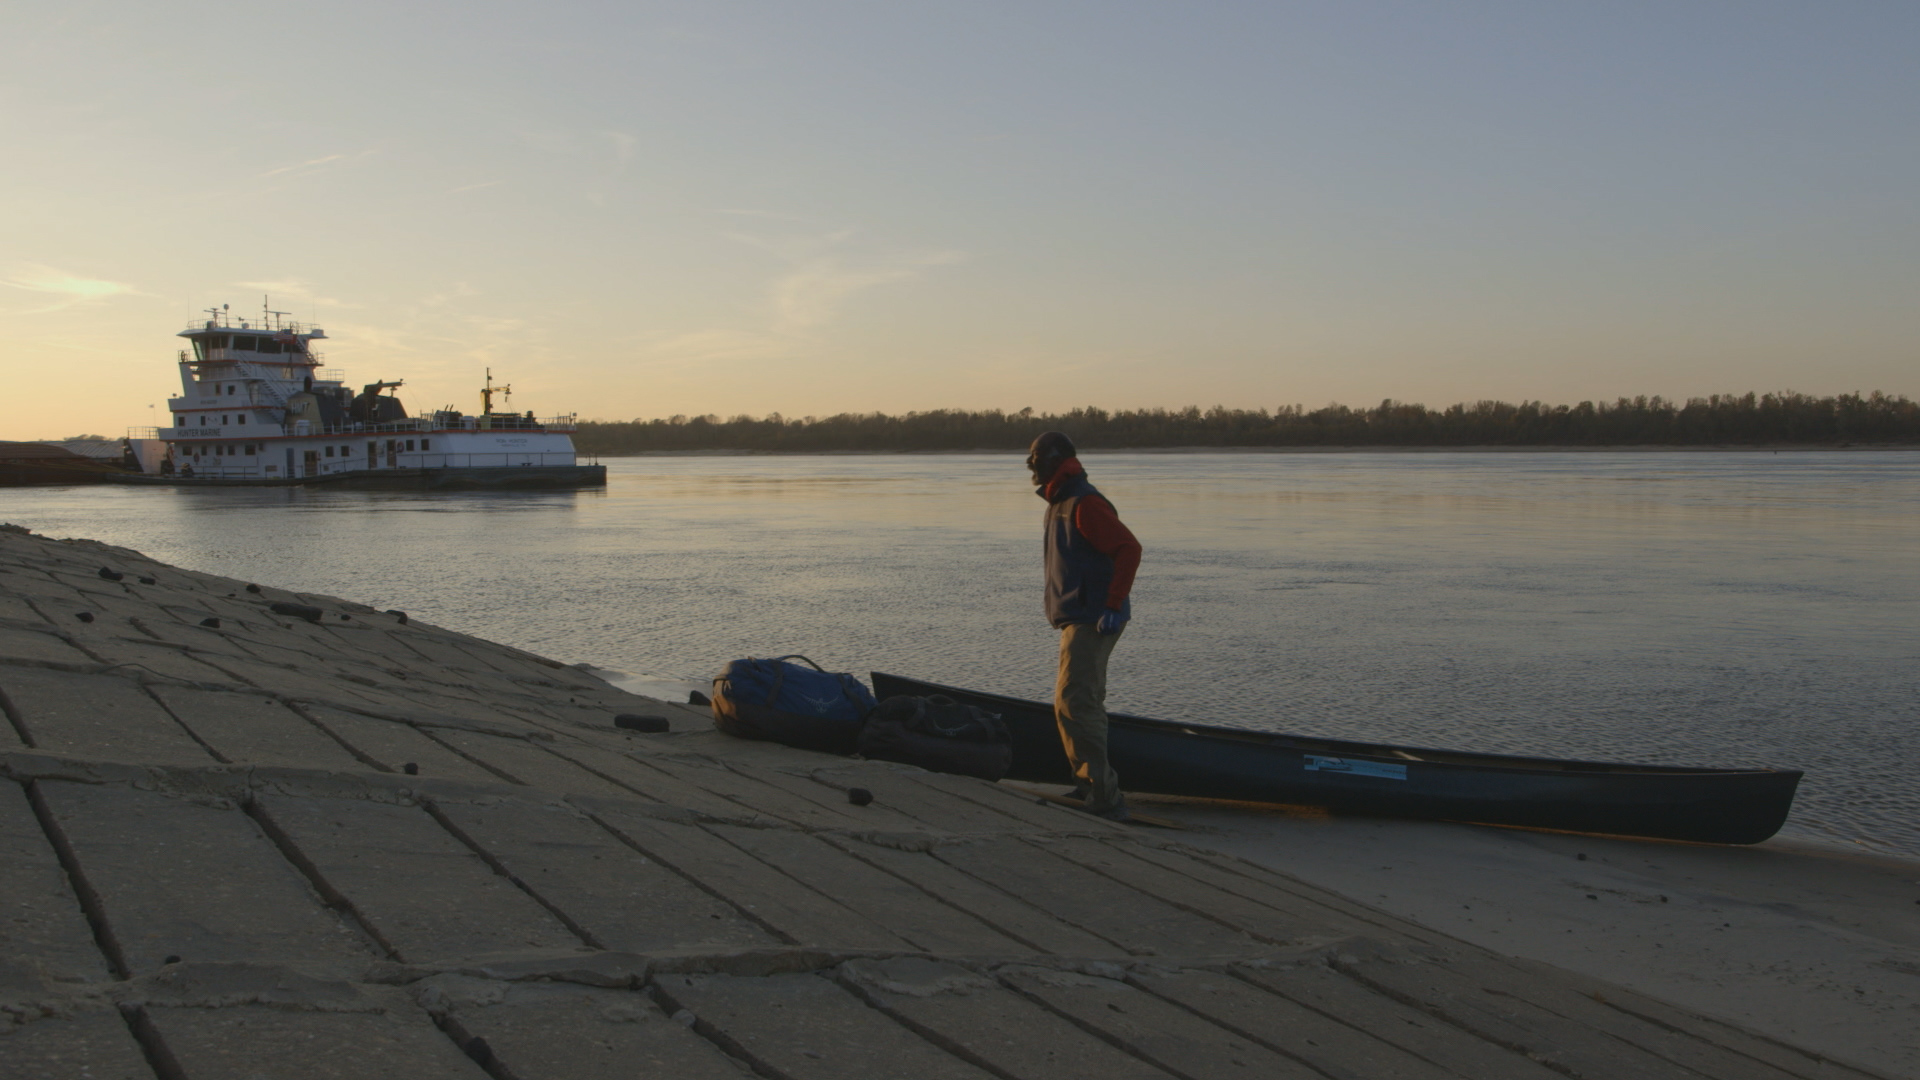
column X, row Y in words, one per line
column 1816, row 945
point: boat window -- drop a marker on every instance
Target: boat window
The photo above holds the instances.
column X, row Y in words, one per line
column 225, row 420
column 329, row 451
column 426, row 444
column 409, row 444
column 243, row 418
column 203, row 421
column 268, row 345
column 230, row 389
column 245, row 341
column 346, row 451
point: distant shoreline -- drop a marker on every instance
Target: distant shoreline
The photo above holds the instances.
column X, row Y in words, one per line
column 1706, row 448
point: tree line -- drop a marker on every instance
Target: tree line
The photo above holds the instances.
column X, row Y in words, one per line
column 1723, row 419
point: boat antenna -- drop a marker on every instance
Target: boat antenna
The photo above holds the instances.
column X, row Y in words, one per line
column 486, row 395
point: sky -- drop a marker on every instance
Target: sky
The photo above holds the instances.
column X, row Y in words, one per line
column 641, row 209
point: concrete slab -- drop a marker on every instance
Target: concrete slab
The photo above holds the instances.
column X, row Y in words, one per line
column 803, row 1027
column 988, row 1024
column 396, row 745
column 44, row 936
column 1123, row 861
column 250, row 1042
column 751, row 793
column 927, row 923
column 97, row 716
column 1325, row 991
column 1010, row 915
column 874, row 815
column 552, row 1031
column 193, row 879
column 1299, row 900
column 150, row 658
column 1142, row 924
column 650, row 783
column 1323, row 1042
column 37, row 646
column 93, row 1044
column 789, row 910
column 618, row 896
column 1159, row 1032
column 1498, row 1014
column 422, row 892
column 526, row 763
column 305, row 685
column 910, row 794
column 255, row 730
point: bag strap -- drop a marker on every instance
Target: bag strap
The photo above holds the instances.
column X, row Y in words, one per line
column 780, row 674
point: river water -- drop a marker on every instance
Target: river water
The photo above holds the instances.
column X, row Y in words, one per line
column 1687, row 608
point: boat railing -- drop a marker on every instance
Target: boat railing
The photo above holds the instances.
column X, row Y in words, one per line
column 495, row 422
column 484, row 461
column 143, row 433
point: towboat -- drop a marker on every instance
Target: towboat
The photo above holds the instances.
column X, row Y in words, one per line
column 1164, row 757
column 256, row 408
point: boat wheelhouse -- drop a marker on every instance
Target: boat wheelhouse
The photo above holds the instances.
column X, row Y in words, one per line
column 256, row 407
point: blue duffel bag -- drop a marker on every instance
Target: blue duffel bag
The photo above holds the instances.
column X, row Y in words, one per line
column 808, row 707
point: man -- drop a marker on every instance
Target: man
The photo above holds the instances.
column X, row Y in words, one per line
column 1091, row 560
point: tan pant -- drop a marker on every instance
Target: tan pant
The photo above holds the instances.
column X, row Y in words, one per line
column 1080, row 708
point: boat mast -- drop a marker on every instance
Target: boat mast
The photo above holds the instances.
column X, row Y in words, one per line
column 486, row 394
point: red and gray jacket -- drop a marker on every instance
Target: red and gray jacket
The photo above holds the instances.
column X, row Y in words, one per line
column 1091, row 556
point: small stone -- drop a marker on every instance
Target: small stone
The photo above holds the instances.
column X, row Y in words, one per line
column 398, row 614
column 111, row 575
column 344, row 617
column 411, row 769
column 652, row 725
column 859, row 796
column 253, row 588
column 685, row 1018
column 83, row 616
column 695, row 697
column 1590, row 896
column 1582, row 856
column 171, row 960
column 210, row 623
column 148, row 581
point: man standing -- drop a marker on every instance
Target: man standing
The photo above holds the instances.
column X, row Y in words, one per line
column 1091, row 560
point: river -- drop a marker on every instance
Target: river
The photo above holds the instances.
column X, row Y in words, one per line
column 1686, row 607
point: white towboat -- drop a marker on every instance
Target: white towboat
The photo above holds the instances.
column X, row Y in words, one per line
column 256, row 408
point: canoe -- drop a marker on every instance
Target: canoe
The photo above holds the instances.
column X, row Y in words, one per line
column 1164, row 757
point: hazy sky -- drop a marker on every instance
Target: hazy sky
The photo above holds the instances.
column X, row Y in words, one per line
column 646, row 208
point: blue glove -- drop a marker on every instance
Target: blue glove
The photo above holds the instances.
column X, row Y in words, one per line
column 1111, row 622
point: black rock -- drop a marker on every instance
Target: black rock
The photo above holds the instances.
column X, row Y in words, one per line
column 859, row 796
column 211, row 624
column 299, row 611
column 410, row 769
column 400, row 615
column 148, row 581
column 111, row 575
column 84, row 616
column 697, row 698
column 253, row 588
column 171, row 960
column 344, row 616
column 652, row 725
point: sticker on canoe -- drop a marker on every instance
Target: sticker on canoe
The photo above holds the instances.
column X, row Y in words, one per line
column 1317, row 763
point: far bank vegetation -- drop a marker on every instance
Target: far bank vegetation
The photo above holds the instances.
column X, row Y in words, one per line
column 1726, row 420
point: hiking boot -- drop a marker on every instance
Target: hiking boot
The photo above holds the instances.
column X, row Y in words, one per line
column 1080, row 791
column 1116, row 812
